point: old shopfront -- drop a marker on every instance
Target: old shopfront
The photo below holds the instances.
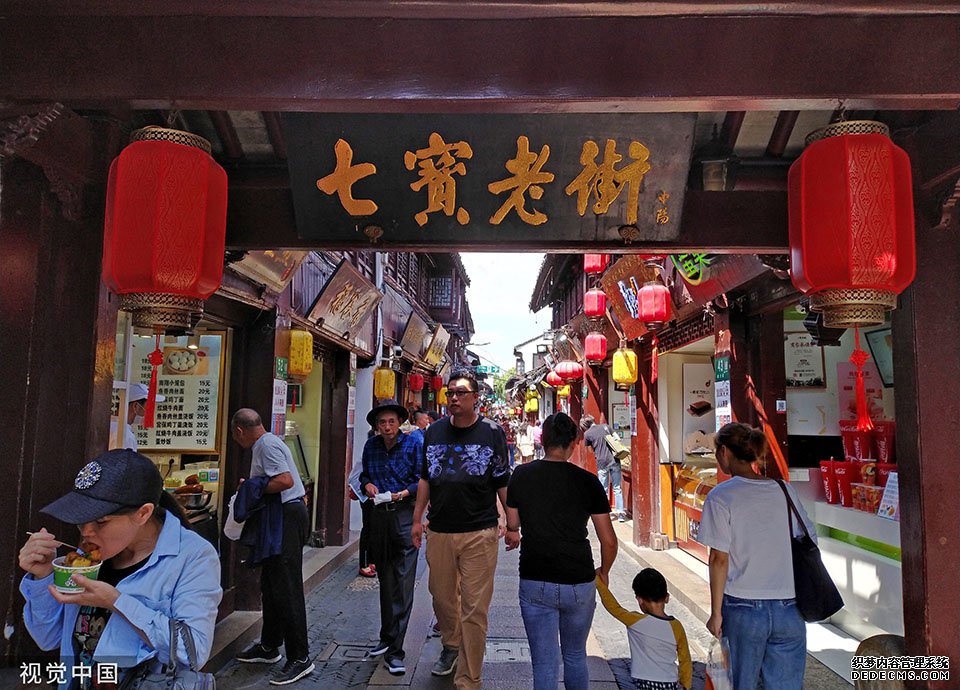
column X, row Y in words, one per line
column 897, row 61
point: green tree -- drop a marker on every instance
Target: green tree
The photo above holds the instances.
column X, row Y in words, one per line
column 500, row 382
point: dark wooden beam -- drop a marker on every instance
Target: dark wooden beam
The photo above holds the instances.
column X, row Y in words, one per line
column 490, row 9
column 730, row 131
column 262, row 217
column 335, row 62
column 275, row 133
column 227, row 133
column 782, row 130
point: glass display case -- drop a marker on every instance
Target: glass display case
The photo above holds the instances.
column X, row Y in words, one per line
column 694, row 480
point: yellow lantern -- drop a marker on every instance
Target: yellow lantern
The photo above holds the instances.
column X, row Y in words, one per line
column 532, row 405
column 384, row 383
column 531, row 394
column 442, row 395
column 564, row 391
column 300, row 363
column 624, row 367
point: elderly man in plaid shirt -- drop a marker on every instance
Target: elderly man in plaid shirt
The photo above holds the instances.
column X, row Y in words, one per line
column 390, row 475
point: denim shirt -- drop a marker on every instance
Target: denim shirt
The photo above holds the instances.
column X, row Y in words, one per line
column 181, row 579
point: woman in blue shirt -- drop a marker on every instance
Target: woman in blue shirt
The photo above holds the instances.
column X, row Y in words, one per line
column 154, row 569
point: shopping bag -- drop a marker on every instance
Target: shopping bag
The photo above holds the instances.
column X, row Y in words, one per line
column 171, row 676
column 616, row 446
column 817, row 596
column 718, row 665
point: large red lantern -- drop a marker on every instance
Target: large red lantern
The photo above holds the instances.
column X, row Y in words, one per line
column 653, row 305
column 595, row 347
column 653, row 308
column 568, row 370
column 851, row 223
column 416, row 382
column 163, row 236
column 165, row 225
column 595, row 303
column 595, row 263
column 436, row 383
column 553, row 378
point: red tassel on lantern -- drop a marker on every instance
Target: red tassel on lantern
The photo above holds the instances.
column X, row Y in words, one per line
column 859, row 358
column 156, row 359
column 654, row 359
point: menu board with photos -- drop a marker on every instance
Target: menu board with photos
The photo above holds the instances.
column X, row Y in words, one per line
column 189, row 380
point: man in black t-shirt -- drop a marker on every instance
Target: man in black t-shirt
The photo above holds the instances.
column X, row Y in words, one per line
column 465, row 469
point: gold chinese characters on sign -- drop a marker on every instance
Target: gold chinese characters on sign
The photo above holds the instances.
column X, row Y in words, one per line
column 439, row 164
column 345, row 303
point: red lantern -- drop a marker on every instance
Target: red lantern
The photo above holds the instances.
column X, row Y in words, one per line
column 595, row 303
column 416, row 382
column 553, row 378
column 568, row 370
column 851, row 223
column 436, row 383
column 595, row 263
column 163, row 235
column 595, row 347
column 165, row 225
column 653, row 305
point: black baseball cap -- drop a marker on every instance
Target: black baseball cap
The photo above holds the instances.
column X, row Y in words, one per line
column 121, row 478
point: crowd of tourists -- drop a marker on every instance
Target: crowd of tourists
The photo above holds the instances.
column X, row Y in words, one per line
column 460, row 483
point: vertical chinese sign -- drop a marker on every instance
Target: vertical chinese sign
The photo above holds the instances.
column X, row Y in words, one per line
column 440, row 180
column 189, row 379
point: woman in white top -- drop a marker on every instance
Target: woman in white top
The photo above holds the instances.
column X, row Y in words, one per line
column 753, row 603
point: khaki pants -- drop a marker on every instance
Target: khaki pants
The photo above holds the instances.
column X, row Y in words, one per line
column 462, row 568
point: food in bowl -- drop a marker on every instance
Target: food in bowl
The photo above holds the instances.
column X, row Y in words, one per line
column 63, row 574
column 88, row 555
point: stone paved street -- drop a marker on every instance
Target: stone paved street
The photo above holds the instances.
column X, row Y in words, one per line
column 344, row 620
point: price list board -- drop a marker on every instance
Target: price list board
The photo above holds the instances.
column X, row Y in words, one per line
column 189, row 379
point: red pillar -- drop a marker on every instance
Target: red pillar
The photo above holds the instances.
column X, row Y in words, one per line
column 644, row 453
column 926, row 362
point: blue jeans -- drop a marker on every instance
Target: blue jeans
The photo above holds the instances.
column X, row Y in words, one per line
column 613, row 474
column 767, row 638
column 558, row 617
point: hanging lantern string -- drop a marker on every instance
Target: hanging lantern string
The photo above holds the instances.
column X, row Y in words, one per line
column 859, row 358
column 156, row 359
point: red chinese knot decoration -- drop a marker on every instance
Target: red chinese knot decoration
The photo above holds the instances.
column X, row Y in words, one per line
column 416, row 382
column 164, row 229
column 595, row 263
column 553, row 378
column 595, row 347
column 595, row 303
column 851, row 223
column 568, row 370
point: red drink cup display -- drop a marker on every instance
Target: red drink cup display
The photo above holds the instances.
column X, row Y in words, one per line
column 857, row 445
column 884, row 436
column 830, row 488
column 883, row 472
column 846, row 473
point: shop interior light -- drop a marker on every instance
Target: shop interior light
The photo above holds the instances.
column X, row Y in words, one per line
column 193, row 342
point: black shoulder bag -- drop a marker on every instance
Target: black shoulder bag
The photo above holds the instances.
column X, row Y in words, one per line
column 817, row 596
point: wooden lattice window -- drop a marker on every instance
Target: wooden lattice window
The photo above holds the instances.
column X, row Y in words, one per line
column 441, row 292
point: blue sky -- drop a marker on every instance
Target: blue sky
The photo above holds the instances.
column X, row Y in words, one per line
column 501, row 285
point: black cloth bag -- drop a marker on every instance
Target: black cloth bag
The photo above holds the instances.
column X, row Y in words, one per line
column 817, row 596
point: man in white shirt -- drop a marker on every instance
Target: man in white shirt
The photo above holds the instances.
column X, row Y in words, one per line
column 137, row 394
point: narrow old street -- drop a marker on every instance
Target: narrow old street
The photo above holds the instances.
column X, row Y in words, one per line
column 344, row 616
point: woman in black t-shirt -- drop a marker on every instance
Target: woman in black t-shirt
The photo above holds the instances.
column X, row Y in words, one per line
column 552, row 500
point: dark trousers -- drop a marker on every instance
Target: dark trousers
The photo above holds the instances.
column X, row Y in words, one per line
column 364, row 548
column 397, row 579
column 281, row 586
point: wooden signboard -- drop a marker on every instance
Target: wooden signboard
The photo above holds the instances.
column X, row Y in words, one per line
column 622, row 283
column 437, row 180
column 346, row 301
